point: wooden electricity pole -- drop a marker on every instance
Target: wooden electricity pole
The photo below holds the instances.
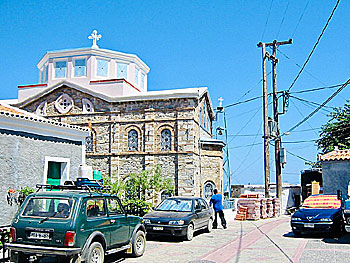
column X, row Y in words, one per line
column 277, row 138
column 266, row 127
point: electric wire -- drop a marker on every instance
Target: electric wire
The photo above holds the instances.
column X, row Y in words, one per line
column 309, row 73
column 317, row 89
column 298, row 156
column 319, row 107
column 300, row 18
column 313, row 104
column 243, row 127
column 267, row 20
column 249, row 151
column 314, row 47
column 284, row 16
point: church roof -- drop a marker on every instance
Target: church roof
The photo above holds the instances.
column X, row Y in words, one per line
column 140, row 96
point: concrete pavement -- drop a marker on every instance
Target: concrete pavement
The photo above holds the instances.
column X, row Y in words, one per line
column 268, row 240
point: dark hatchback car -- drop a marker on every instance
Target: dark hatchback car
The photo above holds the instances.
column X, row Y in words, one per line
column 319, row 214
column 76, row 225
column 179, row 216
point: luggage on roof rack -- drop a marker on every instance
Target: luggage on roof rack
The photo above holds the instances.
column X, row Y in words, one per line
column 80, row 183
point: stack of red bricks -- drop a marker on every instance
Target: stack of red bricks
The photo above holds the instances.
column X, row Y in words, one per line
column 269, row 207
column 263, row 208
column 242, row 213
column 253, row 204
column 276, row 207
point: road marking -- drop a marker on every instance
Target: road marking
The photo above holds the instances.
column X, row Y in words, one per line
column 299, row 251
column 226, row 252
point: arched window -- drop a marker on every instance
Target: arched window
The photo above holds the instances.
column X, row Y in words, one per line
column 165, row 141
column 132, row 140
column 208, row 190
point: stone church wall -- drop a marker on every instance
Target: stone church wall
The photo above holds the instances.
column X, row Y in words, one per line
column 111, row 122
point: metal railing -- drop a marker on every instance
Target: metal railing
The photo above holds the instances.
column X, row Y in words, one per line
column 230, row 204
column 4, row 238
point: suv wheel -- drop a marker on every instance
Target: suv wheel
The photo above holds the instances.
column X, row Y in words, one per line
column 96, row 253
column 189, row 232
column 138, row 244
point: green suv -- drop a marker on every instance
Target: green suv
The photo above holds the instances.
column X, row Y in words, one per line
column 76, row 224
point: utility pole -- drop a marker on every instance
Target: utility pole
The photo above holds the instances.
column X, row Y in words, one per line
column 266, row 127
column 277, row 138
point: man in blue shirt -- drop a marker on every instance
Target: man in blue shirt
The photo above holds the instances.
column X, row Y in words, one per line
column 216, row 200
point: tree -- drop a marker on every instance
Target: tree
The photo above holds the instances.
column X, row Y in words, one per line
column 336, row 132
column 139, row 189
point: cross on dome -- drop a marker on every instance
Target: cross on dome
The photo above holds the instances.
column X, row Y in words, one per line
column 220, row 101
column 94, row 36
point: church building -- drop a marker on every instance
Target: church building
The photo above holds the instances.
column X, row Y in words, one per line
column 131, row 128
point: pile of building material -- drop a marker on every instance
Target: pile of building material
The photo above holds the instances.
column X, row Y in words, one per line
column 269, row 207
column 263, row 208
column 253, row 207
column 242, row 213
column 276, row 207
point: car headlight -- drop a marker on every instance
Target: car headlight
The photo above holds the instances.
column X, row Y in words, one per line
column 176, row 222
column 146, row 221
column 296, row 219
column 346, row 211
column 326, row 219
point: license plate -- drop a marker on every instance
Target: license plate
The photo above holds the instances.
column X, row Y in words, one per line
column 309, row 225
column 39, row 235
column 157, row 228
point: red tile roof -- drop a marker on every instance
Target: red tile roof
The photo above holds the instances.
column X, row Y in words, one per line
column 336, row 155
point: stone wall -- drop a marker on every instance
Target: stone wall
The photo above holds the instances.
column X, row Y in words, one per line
column 111, row 122
column 22, row 163
column 336, row 176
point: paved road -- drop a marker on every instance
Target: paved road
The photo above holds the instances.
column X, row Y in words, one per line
column 268, row 240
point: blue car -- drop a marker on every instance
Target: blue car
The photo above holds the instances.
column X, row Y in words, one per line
column 319, row 214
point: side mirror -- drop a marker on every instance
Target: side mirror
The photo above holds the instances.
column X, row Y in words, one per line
column 339, row 194
column 198, row 210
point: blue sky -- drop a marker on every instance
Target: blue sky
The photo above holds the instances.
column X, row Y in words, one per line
column 199, row 43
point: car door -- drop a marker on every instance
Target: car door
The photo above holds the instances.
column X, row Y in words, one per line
column 205, row 210
column 119, row 224
column 199, row 213
column 96, row 218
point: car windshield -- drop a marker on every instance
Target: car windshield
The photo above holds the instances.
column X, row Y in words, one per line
column 177, row 205
column 322, row 201
column 48, row 207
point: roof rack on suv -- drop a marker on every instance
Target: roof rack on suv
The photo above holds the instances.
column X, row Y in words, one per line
column 79, row 184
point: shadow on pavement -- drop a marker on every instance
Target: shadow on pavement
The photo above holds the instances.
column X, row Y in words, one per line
column 171, row 239
column 325, row 237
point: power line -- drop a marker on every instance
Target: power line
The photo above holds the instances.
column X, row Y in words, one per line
column 304, row 141
column 298, row 156
column 311, row 103
column 313, row 49
column 245, row 124
column 319, row 107
column 267, row 20
column 248, row 145
column 301, row 17
column 241, row 102
column 285, row 12
column 311, row 106
column 317, row 89
column 313, row 76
